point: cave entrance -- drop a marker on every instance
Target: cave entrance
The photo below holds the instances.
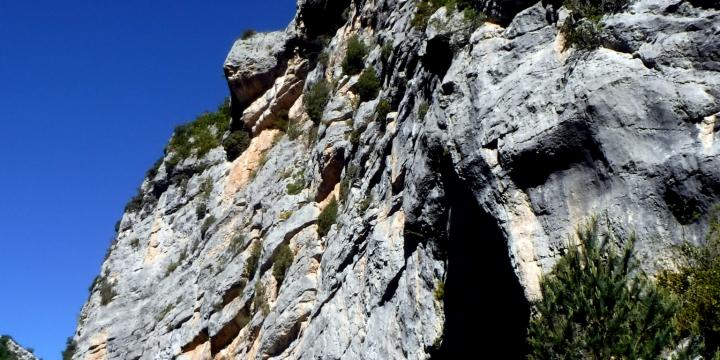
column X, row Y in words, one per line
column 485, row 306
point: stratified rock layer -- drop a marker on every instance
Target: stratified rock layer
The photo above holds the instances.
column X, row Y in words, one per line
column 499, row 143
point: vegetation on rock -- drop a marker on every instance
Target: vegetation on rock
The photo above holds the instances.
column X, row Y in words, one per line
column 315, row 100
column 327, row 217
column 354, row 61
column 282, row 259
column 582, row 28
column 697, row 285
column 235, row 144
column 596, row 304
column 70, row 349
column 368, row 85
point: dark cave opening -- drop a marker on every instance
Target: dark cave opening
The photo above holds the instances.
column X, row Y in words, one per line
column 485, row 306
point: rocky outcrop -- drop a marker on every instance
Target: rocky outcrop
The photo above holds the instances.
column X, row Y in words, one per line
column 11, row 350
column 499, row 142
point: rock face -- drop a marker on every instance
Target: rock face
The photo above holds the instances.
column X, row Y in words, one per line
column 13, row 350
column 498, row 144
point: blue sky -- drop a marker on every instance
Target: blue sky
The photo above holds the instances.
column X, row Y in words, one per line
column 89, row 94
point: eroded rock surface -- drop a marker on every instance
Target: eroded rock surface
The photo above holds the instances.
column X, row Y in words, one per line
column 498, row 144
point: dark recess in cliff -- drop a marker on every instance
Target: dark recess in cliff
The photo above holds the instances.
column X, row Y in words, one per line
column 485, row 306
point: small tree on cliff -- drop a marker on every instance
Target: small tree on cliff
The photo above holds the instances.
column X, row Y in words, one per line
column 596, row 304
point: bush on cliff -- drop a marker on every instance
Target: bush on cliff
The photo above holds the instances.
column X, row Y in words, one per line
column 368, row 85
column 235, row 144
column 200, row 136
column 70, row 349
column 697, row 284
column 282, row 259
column 315, row 99
column 327, row 217
column 582, row 28
column 596, row 304
column 354, row 61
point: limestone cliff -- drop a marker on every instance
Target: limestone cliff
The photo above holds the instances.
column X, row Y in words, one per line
column 456, row 186
column 11, row 350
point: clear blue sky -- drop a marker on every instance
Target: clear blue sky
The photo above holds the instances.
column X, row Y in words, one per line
column 89, row 94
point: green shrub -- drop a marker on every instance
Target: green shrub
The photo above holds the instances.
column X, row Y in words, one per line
column 260, row 299
column 153, row 171
column 582, row 28
column 697, row 285
column 175, row 264
column 424, row 11
column 368, row 85
column 107, row 291
column 236, row 243
column 235, row 144
column 383, row 108
column 200, row 136
column 386, row 52
column 315, row 100
column 596, row 304
column 354, row 61
column 293, row 130
column 422, row 110
column 135, row 204
column 163, row 313
column 327, row 217
column 5, row 353
column 324, row 59
column 365, row 203
column 282, row 259
column 206, row 225
column 284, row 215
column 252, row 261
column 70, row 349
column 440, row 291
column 296, row 187
column 344, row 188
column 135, row 243
column 201, row 210
column 248, row 33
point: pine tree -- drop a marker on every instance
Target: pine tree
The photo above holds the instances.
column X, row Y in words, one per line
column 596, row 304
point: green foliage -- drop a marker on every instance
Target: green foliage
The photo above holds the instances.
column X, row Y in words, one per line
column 697, row 284
column 327, row 217
column 354, row 61
column 284, row 215
column 365, row 203
column 201, row 210
column 582, row 28
column 260, row 299
column 440, row 291
column 315, row 100
column 424, row 10
column 248, row 33
column 324, row 59
column 107, row 291
column 175, row 264
column 383, row 108
column 163, row 313
column 135, row 243
column 153, row 171
column 297, row 185
column 200, row 136
column 368, row 85
column 236, row 243
column 70, row 349
column 135, row 204
column 293, row 130
column 206, row 225
column 252, row 261
column 282, row 259
column 596, row 304
column 235, row 144
column 386, row 52
column 5, row 353
column 422, row 110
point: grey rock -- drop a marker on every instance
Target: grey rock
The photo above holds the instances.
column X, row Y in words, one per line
column 521, row 142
